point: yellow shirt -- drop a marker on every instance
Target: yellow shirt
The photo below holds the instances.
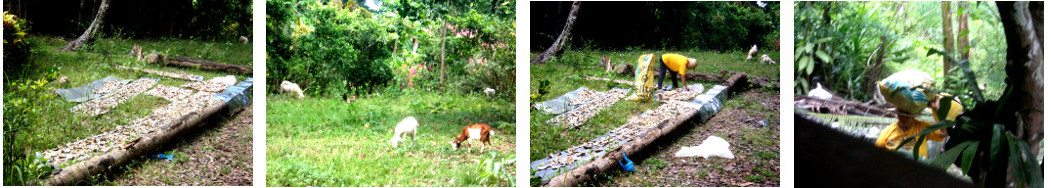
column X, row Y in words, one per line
column 675, row 62
column 892, row 136
column 955, row 109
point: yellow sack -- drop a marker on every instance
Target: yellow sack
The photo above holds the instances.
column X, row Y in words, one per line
column 644, row 79
column 908, row 90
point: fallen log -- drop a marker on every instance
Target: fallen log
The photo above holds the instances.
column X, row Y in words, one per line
column 610, row 160
column 197, row 63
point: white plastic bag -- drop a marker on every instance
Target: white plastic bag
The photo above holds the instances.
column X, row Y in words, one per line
column 712, row 146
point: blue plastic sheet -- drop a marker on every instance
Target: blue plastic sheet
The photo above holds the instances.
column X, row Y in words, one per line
column 237, row 96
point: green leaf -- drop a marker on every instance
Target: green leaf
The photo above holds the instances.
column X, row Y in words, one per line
column 933, row 51
column 968, row 156
column 916, row 147
column 947, row 157
column 824, row 40
column 823, row 56
column 809, row 47
column 944, row 104
column 810, row 66
column 802, row 64
column 995, row 145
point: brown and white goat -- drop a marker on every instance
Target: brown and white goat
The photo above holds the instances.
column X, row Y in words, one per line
column 478, row 131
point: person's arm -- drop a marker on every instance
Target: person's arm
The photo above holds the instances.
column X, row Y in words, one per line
column 683, row 78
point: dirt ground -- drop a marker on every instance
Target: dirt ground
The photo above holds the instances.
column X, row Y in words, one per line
column 756, row 150
column 217, row 154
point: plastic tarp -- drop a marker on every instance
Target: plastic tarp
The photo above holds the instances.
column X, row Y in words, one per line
column 589, row 154
column 87, row 91
column 559, row 105
column 237, row 96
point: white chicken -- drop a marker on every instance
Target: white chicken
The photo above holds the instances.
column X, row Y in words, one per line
column 820, row 93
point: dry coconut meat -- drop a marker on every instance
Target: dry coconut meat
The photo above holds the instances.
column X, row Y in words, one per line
column 170, row 93
column 82, row 149
column 209, row 86
column 109, row 86
column 597, row 102
column 182, row 76
column 678, row 94
column 105, row 103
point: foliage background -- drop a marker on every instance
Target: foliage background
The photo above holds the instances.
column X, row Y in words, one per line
column 714, row 26
column 216, row 20
column 852, row 31
column 331, row 48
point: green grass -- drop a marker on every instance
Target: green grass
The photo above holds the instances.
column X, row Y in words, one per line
column 326, row 142
column 96, row 61
column 567, row 73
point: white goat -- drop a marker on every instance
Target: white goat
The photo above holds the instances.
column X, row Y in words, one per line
column 766, row 59
column 405, row 128
column 755, row 49
column 489, row 91
column 291, row 88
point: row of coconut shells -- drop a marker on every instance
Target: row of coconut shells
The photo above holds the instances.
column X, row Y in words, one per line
column 592, row 102
column 108, row 102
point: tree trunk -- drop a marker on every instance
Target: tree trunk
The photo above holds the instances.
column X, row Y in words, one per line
column 1023, row 28
column 556, row 48
column 89, row 34
column 197, row 63
column 963, row 41
column 947, row 31
column 441, row 77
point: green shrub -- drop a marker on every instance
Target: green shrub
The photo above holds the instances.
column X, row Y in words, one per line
column 16, row 48
column 334, row 48
column 22, row 110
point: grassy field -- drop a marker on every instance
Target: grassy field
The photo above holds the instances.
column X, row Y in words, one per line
column 326, row 142
column 568, row 72
column 59, row 126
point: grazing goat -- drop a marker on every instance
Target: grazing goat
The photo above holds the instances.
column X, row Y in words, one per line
column 766, row 59
column 405, row 128
column 479, row 131
column 752, row 52
column 489, row 91
column 291, row 88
